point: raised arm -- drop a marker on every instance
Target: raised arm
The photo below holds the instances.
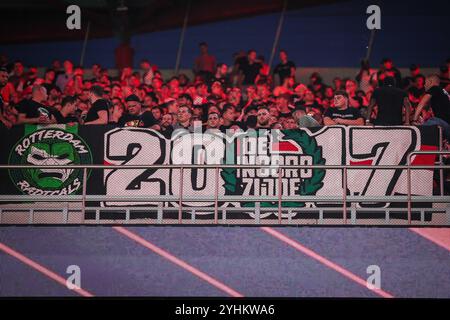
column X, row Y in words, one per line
column 407, row 106
column 426, row 98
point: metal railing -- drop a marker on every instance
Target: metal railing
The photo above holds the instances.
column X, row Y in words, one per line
column 216, row 198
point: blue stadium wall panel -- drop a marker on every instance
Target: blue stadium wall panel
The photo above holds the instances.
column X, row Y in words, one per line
column 326, row 36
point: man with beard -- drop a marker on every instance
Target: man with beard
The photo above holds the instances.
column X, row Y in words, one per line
column 166, row 125
column 263, row 118
column 134, row 117
column 221, row 76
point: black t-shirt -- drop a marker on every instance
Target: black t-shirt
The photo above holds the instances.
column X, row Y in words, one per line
column 224, row 81
column 416, row 92
column 250, row 72
column 99, row 105
column 145, row 120
column 396, row 73
column 166, row 131
column 63, row 120
column 390, row 105
column 240, row 61
column 346, row 114
column 49, row 87
column 284, row 70
column 33, row 109
column 440, row 103
column 407, row 82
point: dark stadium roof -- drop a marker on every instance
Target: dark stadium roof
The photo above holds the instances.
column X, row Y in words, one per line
column 45, row 20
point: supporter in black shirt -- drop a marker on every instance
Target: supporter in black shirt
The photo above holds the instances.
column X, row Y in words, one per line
column 439, row 101
column 417, row 89
column 98, row 113
column 221, row 76
column 134, row 117
column 408, row 82
column 250, row 68
column 49, row 80
column 342, row 113
column 389, row 70
column 68, row 110
column 444, row 77
column 285, row 68
column 390, row 101
column 33, row 111
column 228, row 117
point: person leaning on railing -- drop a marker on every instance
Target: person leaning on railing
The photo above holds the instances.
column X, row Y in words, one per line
column 439, row 101
column 390, row 101
column 342, row 113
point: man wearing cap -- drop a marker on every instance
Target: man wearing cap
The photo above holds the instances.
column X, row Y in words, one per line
column 134, row 117
column 342, row 113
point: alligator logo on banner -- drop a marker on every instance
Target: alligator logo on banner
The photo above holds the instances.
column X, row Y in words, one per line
column 58, row 145
column 263, row 147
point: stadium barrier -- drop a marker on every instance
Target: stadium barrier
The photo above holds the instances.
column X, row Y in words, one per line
column 324, row 176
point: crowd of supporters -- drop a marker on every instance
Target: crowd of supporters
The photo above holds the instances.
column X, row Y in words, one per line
column 246, row 95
